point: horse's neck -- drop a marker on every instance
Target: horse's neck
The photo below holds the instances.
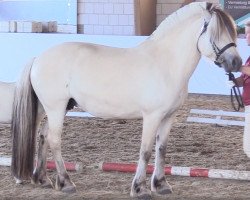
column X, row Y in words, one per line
column 177, row 49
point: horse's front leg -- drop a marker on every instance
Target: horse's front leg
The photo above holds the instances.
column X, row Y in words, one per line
column 40, row 173
column 63, row 181
column 150, row 125
column 159, row 185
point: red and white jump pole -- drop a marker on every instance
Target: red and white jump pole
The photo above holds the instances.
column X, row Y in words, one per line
column 70, row 166
column 180, row 171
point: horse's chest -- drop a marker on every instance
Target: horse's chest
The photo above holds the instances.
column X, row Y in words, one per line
column 174, row 101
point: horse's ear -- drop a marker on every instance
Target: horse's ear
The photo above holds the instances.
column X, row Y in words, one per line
column 207, row 12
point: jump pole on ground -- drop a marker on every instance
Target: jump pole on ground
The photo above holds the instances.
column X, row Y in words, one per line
column 180, row 171
column 70, row 166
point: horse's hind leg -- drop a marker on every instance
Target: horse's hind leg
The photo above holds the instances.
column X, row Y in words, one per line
column 40, row 173
column 150, row 126
column 159, row 185
column 55, row 120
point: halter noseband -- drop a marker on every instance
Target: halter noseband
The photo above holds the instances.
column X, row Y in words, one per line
column 218, row 61
column 218, row 52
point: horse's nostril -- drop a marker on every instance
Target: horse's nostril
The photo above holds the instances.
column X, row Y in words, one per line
column 234, row 63
column 237, row 63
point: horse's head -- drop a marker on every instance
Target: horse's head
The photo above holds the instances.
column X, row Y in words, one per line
column 217, row 39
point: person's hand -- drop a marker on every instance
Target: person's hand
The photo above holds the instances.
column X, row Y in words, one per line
column 230, row 84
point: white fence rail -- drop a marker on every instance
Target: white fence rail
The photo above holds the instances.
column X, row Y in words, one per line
column 216, row 117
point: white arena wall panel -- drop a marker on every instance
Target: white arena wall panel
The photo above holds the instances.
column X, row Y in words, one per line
column 17, row 48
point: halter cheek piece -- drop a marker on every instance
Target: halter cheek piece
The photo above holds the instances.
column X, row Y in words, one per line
column 218, row 61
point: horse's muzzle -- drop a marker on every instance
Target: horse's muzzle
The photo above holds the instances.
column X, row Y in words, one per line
column 232, row 64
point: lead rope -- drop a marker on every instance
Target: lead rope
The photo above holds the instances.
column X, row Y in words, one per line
column 235, row 94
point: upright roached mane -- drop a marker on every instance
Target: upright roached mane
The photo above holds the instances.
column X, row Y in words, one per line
column 148, row 81
column 223, row 23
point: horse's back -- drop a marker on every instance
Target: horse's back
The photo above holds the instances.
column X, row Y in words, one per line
column 7, row 96
column 66, row 58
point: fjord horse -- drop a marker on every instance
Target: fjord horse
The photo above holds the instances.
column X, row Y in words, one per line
column 148, row 81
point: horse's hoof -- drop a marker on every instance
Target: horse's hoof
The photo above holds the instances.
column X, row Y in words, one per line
column 44, row 181
column 161, row 187
column 143, row 193
column 47, row 184
column 64, row 184
column 145, row 197
column 142, row 197
column 69, row 189
column 164, row 191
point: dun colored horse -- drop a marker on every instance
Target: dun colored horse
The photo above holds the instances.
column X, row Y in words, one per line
column 148, row 81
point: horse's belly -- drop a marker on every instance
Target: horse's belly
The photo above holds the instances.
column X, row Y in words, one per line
column 110, row 109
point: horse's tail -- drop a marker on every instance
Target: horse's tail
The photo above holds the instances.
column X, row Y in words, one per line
column 23, row 126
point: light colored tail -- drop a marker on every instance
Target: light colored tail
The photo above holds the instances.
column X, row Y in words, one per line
column 23, row 126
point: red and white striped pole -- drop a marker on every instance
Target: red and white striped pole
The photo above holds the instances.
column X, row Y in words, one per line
column 70, row 166
column 181, row 171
